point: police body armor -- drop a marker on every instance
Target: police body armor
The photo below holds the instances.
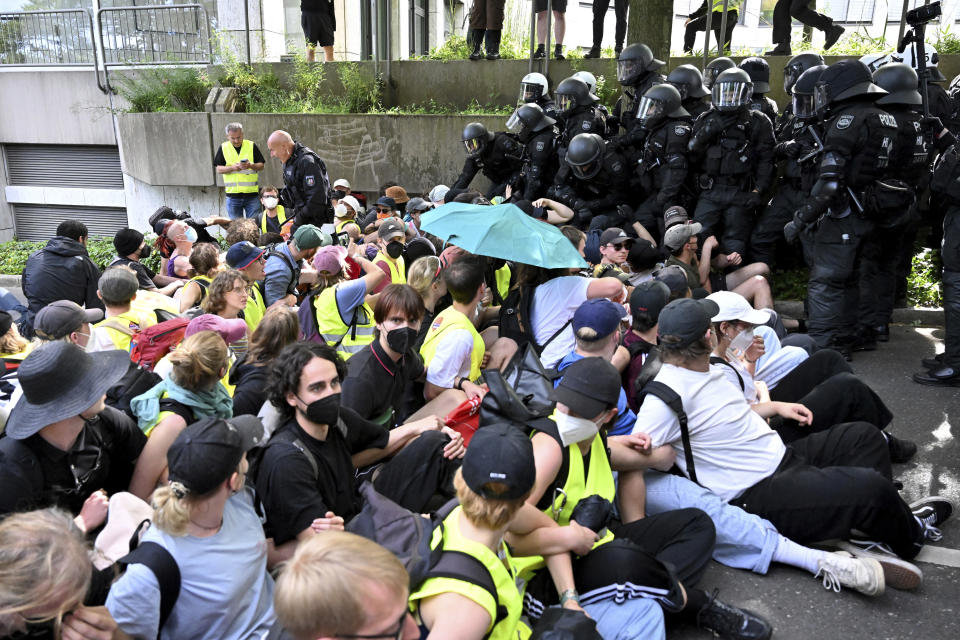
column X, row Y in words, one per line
column 728, row 154
column 663, row 160
column 540, row 163
column 764, row 105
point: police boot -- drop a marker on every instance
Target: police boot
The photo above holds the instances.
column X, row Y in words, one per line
column 882, row 331
column 843, row 345
column 865, row 339
column 476, row 39
column 492, row 44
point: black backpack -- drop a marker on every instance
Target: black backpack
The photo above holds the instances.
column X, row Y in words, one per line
column 515, row 319
column 650, row 368
column 135, row 381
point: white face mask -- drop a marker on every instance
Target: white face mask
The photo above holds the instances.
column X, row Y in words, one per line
column 739, row 345
column 574, row 429
column 270, row 202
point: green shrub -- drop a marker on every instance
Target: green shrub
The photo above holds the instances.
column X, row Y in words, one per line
column 361, row 91
column 923, row 283
column 164, row 89
column 14, row 254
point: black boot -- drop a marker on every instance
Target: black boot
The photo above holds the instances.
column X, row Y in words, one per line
column 558, row 52
column 732, row 623
column 476, row 39
column 491, row 43
column 593, row 53
column 540, row 52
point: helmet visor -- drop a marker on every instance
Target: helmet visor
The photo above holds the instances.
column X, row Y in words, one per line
column 803, row 106
column 474, row 145
column 790, row 75
column 530, row 92
column 821, row 97
column 649, row 110
column 586, row 171
column 565, row 102
column 514, row 123
column 710, row 76
column 627, row 69
column 731, row 95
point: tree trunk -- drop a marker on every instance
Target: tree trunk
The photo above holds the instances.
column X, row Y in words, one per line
column 650, row 22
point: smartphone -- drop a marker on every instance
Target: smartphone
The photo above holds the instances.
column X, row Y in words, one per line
column 244, row 161
column 343, row 238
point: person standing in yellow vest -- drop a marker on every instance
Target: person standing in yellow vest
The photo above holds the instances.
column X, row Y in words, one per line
column 273, row 216
column 117, row 288
column 239, row 161
column 453, row 349
column 392, row 238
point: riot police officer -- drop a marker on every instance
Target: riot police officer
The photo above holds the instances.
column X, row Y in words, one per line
column 593, row 181
column 637, row 71
column 662, row 169
column 689, row 82
column 800, row 147
column 534, row 88
column 579, row 111
column 538, row 135
column 714, row 68
column 499, row 156
column 791, row 73
column 858, row 139
column 732, row 148
column 759, row 72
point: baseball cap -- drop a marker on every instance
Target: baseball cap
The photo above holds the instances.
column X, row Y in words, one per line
column 686, row 320
column 643, row 256
column 208, row 451
column 118, row 283
column 330, row 259
column 613, row 235
column 242, row 254
column 677, row 235
column 600, row 315
column 310, row 237
column 390, row 228
column 387, row 201
column 501, row 453
column 438, row 193
column 418, row 204
column 674, row 215
column 60, row 318
column 674, row 277
column 649, row 298
column 589, row 387
column 230, row 330
column 6, row 321
column 342, row 182
column 126, row 241
column 734, row 306
column 399, row 194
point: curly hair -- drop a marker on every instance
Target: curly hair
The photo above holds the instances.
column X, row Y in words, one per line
column 242, row 229
column 225, row 282
column 204, row 258
column 287, row 368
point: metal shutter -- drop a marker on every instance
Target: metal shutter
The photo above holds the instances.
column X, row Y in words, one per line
column 76, row 166
column 39, row 222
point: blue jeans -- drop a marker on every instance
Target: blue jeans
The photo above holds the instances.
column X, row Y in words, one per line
column 630, row 620
column 244, row 205
column 10, row 302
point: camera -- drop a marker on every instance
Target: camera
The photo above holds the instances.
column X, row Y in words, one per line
column 924, row 14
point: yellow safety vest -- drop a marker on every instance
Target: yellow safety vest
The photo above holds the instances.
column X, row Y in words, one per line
column 343, row 223
column 255, row 309
column 346, row 339
column 504, row 577
column 450, row 318
column 398, row 270
column 281, row 218
column 244, row 180
column 132, row 321
column 503, row 280
column 732, row 5
column 204, row 283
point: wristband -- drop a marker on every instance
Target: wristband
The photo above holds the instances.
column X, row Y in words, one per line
column 569, row 594
column 458, row 384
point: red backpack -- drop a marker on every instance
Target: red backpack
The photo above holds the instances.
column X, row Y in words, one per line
column 148, row 345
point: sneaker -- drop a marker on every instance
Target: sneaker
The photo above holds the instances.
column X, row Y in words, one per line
column 540, row 53
column 558, row 52
column 897, row 573
column 833, row 34
column 593, row 53
column 841, row 568
column 900, row 450
column 931, row 512
column 726, row 621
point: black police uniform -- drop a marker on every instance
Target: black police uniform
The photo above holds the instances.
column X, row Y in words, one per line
column 766, row 106
column 306, row 188
column 594, row 201
column 586, row 119
column 695, row 107
column 625, row 110
column 540, row 162
column 662, row 171
column 549, row 106
column 500, row 162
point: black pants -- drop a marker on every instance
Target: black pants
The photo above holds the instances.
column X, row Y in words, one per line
column 600, row 12
column 767, row 236
column 950, row 251
column 878, row 273
column 831, row 483
column 700, row 24
column 799, row 9
column 418, row 476
column 825, row 384
column 723, row 212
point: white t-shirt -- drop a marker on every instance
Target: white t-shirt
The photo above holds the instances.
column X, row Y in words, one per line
column 730, row 373
column 554, row 303
column 733, row 447
column 451, row 359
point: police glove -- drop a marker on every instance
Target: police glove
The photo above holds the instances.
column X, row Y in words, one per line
column 791, row 232
column 791, row 149
column 932, row 124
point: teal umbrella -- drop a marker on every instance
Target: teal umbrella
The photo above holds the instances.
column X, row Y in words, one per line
column 502, row 231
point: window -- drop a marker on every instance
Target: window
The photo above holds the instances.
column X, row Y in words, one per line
column 895, row 9
column 849, row 11
column 419, row 27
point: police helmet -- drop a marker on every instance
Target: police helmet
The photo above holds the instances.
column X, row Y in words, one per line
column 528, row 119
column 585, row 155
column 875, row 60
column 659, row 101
column 797, row 65
column 759, row 72
column 533, row 87
column 475, row 138
column 689, row 82
column 732, row 90
column 841, row 81
column 909, row 56
column 715, row 68
column 803, row 88
column 634, row 63
column 900, row 82
column 573, row 93
column 589, row 78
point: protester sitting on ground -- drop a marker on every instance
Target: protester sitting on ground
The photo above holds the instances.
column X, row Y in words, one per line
column 175, row 240
column 242, row 229
column 820, row 487
column 340, row 583
column 227, row 298
column 117, row 290
column 646, row 302
column 13, row 347
column 384, row 209
column 192, row 391
column 344, row 316
column 306, row 476
column 205, row 520
column 425, row 276
column 131, row 250
column 67, row 321
column 438, row 194
column 676, row 280
column 44, row 576
column 642, row 259
column 204, row 265
column 391, row 238
column 61, row 270
column 248, row 259
column 62, row 446
column 614, row 247
column 274, row 216
column 248, row 374
column 346, row 212
column 283, row 269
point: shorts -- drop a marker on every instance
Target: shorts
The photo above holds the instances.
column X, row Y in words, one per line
column 560, row 6
column 318, row 27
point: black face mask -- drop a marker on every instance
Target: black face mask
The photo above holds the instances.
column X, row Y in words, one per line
column 394, row 249
column 401, row 339
column 497, row 263
column 145, row 252
column 324, row 411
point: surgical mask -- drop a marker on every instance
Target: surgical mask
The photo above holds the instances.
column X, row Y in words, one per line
column 739, row 345
column 271, row 202
column 190, row 234
column 400, row 340
column 145, row 252
column 323, row 411
column 394, row 249
column 573, row 429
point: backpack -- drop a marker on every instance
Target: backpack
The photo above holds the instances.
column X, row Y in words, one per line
column 720, row 361
column 137, row 380
column 591, row 247
column 515, row 319
column 649, row 369
column 294, row 268
column 310, row 329
column 164, row 568
column 148, row 345
column 672, row 399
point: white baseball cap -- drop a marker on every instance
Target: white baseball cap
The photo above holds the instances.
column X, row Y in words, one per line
column 342, row 182
column 734, row 306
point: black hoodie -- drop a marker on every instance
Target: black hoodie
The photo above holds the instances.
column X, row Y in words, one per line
column 62, row 270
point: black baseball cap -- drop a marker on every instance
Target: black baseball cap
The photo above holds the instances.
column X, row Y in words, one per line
column 685, row 320
column 643, row 256
column 500, row 452
column 61, row 318
column 674, row 277
column 650, row 298
column 589, row 387
column 207, row 452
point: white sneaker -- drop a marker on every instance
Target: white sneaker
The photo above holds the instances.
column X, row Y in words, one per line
column 840, row 568
column 897, row 573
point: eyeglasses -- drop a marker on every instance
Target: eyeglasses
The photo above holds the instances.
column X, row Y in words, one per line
column 619, row 246
column 240, row 288
column 395, row 635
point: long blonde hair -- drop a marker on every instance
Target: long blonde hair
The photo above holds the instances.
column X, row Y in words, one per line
column 197, row 361
column 12, row 341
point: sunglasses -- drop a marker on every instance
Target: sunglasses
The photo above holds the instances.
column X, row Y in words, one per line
column 619, row 246
column 383, row 210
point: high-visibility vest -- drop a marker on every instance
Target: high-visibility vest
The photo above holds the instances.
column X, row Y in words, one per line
column 503, row 281
column 732, row 5
column 244, row 180
column 255, row 309
column 343, row 223
column 446, row 320
column 132, row 319
column 346, row 339
column 281, row 218
column 398, row 270
column 505, row 623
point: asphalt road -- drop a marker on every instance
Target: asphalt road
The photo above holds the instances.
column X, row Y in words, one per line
column 796, row 604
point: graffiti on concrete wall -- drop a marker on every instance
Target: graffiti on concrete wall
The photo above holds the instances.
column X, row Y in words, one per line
column 360, row 147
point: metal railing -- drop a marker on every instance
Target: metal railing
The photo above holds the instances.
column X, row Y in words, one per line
column 47, row 38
